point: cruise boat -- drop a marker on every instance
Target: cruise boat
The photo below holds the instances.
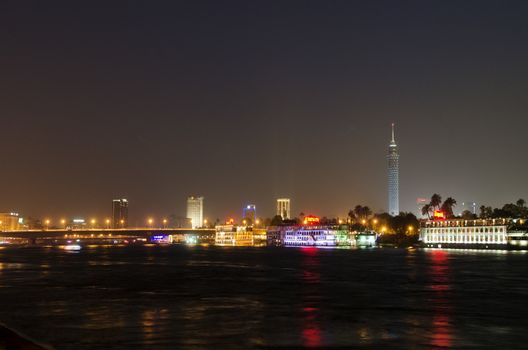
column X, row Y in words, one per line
column 233, row 235
column 310, row 233
column 474, row 234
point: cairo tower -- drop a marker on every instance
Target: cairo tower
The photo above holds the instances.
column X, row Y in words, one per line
column 393, row 167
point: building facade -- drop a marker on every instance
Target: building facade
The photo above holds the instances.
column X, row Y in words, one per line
column 393, row 177
column 120, row 213
column 195, row 211
column 283, row 208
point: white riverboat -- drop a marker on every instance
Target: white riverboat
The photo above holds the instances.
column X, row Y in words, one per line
column 474, row 234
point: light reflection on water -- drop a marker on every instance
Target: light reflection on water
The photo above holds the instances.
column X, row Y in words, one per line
column 202, row 298
column 311, row 278
column 440, row 285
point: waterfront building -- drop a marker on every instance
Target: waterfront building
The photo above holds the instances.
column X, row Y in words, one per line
column 249, row 212
column 283, row 208
column 365, row 239
column 202, row 237
column 479, row 233
column 10, row 221
column 234, row 235
column 195, row 211
column 393, row 177
column 120, row 213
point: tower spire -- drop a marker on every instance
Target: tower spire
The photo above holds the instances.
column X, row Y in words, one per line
column 393, row 134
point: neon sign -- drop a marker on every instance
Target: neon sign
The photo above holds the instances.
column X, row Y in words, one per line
column 311, row 220
column 438, row 215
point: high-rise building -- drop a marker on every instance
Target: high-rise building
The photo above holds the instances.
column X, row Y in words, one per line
column 10, row 221
column 120, row 213
column 283, row 208
column 195, row 211
column 250, row 213
column 393, row 172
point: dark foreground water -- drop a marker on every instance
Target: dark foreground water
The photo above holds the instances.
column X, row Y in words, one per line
column 212, row 298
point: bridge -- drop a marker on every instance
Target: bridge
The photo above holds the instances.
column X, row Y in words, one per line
column 107, row 234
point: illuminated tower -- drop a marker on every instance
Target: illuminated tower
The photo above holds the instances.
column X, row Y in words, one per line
column 393, row 167
column 283, row 208
column 195, row 211
column 120, row 213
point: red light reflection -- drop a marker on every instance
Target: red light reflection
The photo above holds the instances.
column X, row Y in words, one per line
column 311, row 277
column 441, row 323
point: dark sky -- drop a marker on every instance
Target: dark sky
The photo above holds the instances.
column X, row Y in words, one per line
column 245, row 101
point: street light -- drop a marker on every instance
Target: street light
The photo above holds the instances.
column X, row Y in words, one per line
column 150, row 221
column 383, row 229
column 47, row 222
column 244, row 222
column 63, row 223
column 93, row 221
column 410, row 228
column 164, row 223
column 122, row 222
column 107, row 223
column 257, row 222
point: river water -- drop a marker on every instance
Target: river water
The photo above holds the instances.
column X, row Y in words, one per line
column 180, row 297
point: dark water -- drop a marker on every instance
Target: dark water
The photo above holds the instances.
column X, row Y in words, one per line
column 201, row 298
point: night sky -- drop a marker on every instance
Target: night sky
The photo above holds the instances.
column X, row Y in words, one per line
column 246, row 101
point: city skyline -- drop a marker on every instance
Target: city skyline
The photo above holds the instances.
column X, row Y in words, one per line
column 282, row 107
column 300, row 174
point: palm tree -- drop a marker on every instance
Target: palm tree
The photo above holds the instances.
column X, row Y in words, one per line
column 366, row 212
column 362, row 212
column 436, row 200
column 448, row 205
column 351, row 215
column 358, row 210
column 426, row 210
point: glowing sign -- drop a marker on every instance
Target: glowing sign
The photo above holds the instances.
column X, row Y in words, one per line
column 438, row 215
column 311, row 220
column 161, row 239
